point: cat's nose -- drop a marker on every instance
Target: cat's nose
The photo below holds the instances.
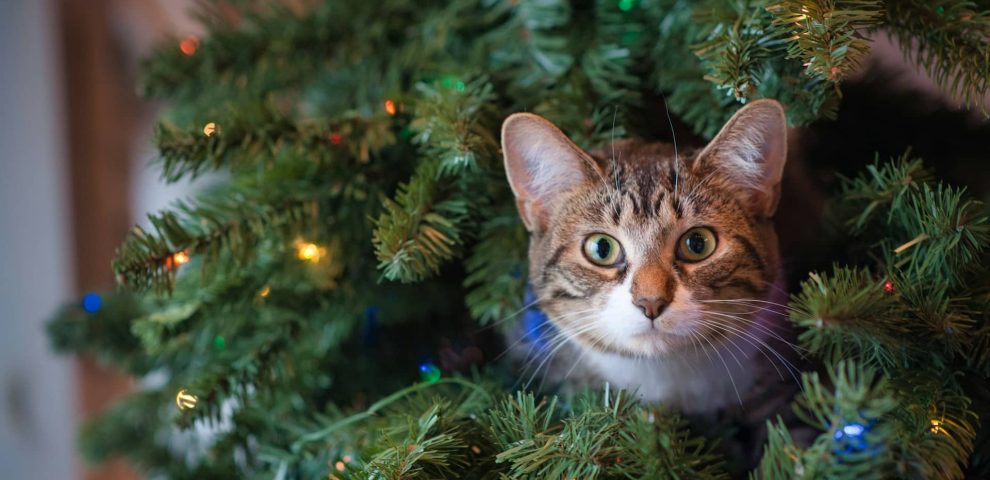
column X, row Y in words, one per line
column 652, row 307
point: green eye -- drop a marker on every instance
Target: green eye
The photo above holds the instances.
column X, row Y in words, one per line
column 602, row 250
column 697, row 244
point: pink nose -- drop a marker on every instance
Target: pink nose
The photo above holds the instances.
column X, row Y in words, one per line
column 652, row 307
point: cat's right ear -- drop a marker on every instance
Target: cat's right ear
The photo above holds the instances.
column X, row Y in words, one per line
column 541, row 163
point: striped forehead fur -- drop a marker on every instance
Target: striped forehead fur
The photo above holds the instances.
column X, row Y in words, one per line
column 645, row 176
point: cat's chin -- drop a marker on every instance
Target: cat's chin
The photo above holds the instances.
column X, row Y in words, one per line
column 654, row 343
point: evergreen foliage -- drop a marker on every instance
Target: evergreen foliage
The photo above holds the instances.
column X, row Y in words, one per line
column 358, row 134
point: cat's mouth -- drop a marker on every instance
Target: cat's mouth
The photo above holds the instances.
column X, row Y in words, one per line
column 655, row 329
column 658, row 339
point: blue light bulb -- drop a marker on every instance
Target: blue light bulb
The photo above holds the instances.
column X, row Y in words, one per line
column 92, row 302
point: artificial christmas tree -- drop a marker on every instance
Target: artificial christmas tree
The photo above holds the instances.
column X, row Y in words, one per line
column 366, row 238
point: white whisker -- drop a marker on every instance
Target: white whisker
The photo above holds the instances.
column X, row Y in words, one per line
column 545, row 324
column 791, row 368
column 757, row 325
column 673, row 136
column 513, row 314
column 746, row 301
column 615, row 160
column 535, row 348
column 759, row 344
column 727, row 370
column 563, row 340
column 559, row 336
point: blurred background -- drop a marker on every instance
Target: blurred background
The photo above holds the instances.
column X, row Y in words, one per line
column 75, row 175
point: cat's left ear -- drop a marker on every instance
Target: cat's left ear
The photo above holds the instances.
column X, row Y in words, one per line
column 750, row 152
column 542, row 164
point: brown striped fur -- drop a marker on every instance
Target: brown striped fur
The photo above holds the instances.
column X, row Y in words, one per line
column 647, row 195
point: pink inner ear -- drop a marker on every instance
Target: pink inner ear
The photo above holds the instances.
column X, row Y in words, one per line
column 532, row 214
column 750, row 151
column 541, row 163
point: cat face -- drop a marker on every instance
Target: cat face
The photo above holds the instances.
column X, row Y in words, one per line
column 644, row 251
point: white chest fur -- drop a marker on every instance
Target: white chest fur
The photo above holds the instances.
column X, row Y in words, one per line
column 698, row 381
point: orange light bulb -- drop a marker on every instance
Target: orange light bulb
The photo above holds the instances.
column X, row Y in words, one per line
column 180, row 258
column 189, row 45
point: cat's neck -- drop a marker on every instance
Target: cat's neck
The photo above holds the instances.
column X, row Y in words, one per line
column 694, row 382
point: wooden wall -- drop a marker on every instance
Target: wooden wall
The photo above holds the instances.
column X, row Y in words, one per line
column 102, row 109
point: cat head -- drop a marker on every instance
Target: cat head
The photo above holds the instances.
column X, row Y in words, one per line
column 642, row 250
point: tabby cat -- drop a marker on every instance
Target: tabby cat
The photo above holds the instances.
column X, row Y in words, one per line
column 658, row 269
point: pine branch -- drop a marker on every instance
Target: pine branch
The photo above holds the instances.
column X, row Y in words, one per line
column 827, row 34
column 859, row 396
column 848, row 315
column 497, row 269
column 936, row 426
column 661, row 446
column 139, row 427
column 537, row 54
column 104, row 334
column 520, row 417
column 940, row 312
column 239, row 44
column 677, row 68
column 422, row 228
column 912, row 426
column 978, row 357
column 456, row 125
column 593, row 100
column 258, row 49
column 950, row 234
column 606, row 435
column 950, row 40
column 883, row 188
column 615, row 47
column 228, row 222
column 807, row 98
column 920, row 330
column 256, row 135
column 586, row 446
column 431, row 446
column 937, row 231
column 854, row 415
column 738, row 47
column 781, row 456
